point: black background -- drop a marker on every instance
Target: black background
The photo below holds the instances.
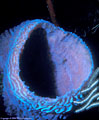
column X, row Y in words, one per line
column 78, row 16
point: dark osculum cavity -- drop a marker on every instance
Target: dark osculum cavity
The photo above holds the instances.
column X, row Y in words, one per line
column 36, row 67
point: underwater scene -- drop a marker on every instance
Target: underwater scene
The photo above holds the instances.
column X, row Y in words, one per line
column 49, row 60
